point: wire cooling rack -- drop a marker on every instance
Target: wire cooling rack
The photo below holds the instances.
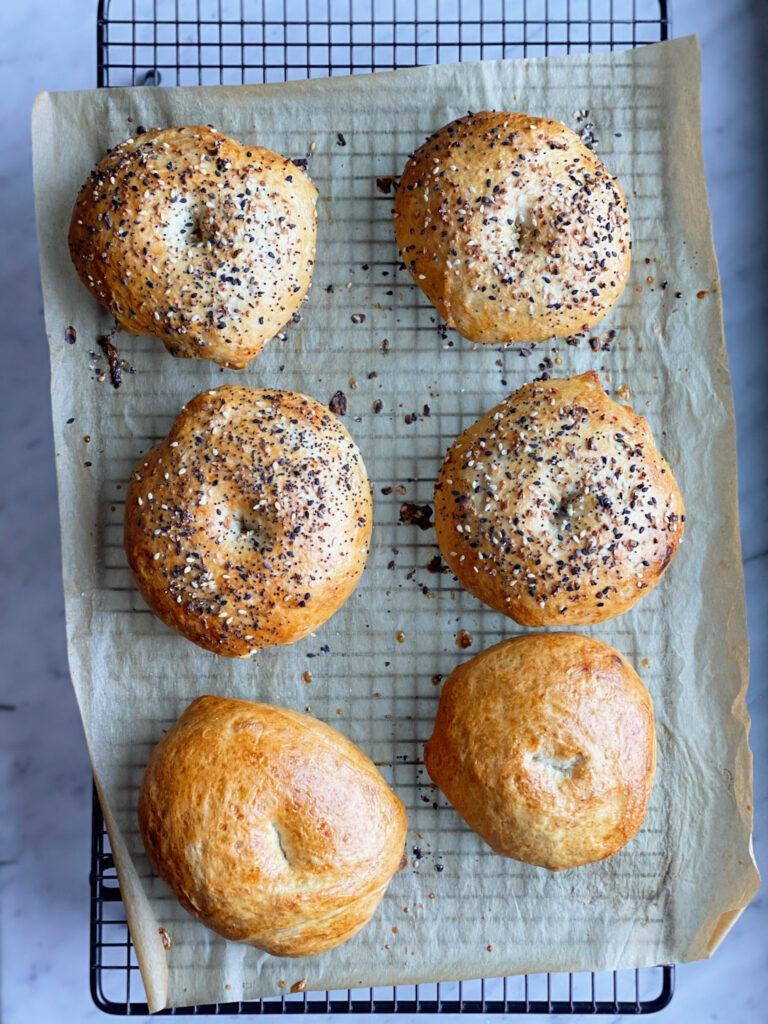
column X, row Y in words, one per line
column 116, row 984
column 207, row 42
column 213, row 42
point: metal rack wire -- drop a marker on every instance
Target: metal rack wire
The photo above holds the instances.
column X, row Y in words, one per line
column 192, row 42
column 212, row 42
column 116, row 984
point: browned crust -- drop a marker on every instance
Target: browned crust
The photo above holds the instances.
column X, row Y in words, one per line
column 269, row 826
column 513, row 229
column 188, row 235
column 249, row 525
column 545, row 745
column 556, row 508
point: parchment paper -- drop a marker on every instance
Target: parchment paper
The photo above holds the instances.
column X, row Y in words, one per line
column 675, row 890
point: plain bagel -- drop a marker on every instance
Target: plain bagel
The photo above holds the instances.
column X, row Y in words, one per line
column 546, row 746
column 269, row 826
column 512, row 228
column 203, row 241
column 249, row 524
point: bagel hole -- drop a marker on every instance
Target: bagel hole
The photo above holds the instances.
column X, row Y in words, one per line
column 184, row 229
column 564, row 767
column 572, row 512
column 279, row 842
column 194, row 231
column 525, row 232
column 518, row 231
column 244, row 530
column 241, row 527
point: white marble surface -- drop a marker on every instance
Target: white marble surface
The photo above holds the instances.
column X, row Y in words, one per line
column 45, row 792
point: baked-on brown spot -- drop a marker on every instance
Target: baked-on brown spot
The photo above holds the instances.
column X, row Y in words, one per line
column 203, row 241
column 418, row 515
column 513, row 228
column 250, row 523
column 545, row 745
column 108, row 347
column 464, row 639
column 338, row 403
column 269, row 826
column 556, row 507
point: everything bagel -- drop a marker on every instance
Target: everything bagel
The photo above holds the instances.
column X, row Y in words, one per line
column 512, row 228
column 555, row 507
column 188, row 235
column 249, row 524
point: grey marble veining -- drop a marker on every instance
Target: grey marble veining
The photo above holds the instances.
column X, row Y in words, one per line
column 45, row 796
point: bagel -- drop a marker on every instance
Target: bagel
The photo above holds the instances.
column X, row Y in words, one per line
column 512, row 228
column 203, row 241
column 270, row 827
column 546, row 746
column 556, row 508
column 249, row 524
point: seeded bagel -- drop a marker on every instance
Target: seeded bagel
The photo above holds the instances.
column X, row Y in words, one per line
column 556, row 507
column 203, row 241
column 512, row 228
column 250, row 523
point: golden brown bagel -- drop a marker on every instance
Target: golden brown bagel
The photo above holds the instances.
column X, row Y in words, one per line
column 545, row 745
column 512, row 228
column 249, row 524
column 203, row 241
column 269, row 826
column 555, row 507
